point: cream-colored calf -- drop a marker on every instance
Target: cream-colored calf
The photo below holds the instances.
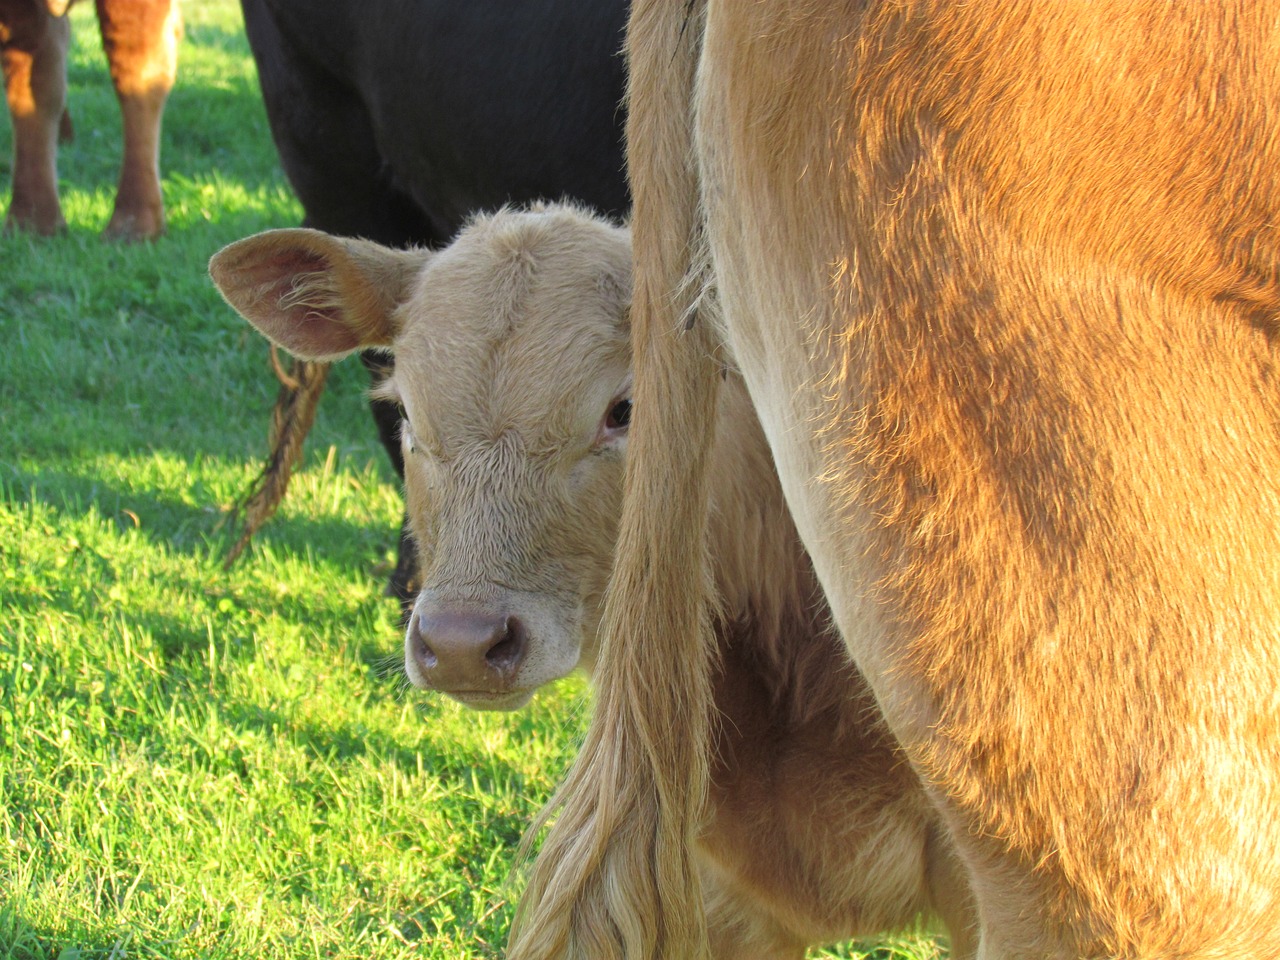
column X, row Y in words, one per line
column 513, row 367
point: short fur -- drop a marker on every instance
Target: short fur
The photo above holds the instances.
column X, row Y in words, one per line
column 397, row 122
column 140, row 38
column 510, row 345
column 1001, row 279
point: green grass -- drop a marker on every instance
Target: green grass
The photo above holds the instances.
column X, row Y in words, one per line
column 199, row 763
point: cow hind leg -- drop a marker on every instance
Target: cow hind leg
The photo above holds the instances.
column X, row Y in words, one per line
column 34, row 53
column 751, row 941
column 950, row 895
column 141, row 43
column 738, row 928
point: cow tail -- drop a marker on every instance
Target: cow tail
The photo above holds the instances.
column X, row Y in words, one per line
column 291, row 420
column 616, row 877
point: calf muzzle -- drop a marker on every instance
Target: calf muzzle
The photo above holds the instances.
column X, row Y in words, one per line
column 466, row 653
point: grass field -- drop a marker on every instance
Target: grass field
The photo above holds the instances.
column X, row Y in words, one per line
column 199, row 763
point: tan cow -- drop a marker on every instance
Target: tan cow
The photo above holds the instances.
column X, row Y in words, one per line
column 513, row 369
column 1001, row 279
column 140, row 38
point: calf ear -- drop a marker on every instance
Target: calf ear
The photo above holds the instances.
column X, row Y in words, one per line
column 320, row 297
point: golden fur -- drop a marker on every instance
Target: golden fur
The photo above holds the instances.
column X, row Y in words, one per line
column 509, row 346
column 1001, row 281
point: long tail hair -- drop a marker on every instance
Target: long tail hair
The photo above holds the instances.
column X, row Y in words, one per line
column 615, row 877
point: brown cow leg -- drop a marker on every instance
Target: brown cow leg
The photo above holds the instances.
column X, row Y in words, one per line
column 950, row 894
column 749, row 936
column 33, row 46
column 140, row 38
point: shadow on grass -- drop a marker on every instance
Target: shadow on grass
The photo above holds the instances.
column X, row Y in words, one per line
column 192, row 529
column 97, row 587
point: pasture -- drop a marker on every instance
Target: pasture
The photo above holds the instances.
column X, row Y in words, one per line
column 195, row 762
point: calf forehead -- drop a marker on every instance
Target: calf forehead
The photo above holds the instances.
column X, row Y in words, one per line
column 516, row 325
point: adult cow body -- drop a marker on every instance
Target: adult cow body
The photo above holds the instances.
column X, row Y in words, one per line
column 396, row 121
column 1002, row 282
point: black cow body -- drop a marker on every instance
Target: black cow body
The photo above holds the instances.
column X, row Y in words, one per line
column 395, row 121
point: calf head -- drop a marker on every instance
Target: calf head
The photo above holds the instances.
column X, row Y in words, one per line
column 512, row 369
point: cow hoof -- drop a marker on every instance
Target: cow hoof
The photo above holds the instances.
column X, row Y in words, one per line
column 133, row 229
column 41, row 226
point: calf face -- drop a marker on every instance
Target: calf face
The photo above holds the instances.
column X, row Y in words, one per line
column 512, row 475
column 512, row 103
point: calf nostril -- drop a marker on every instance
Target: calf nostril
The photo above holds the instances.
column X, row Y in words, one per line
column 459, row 650
column 422, row 651
column 508, row 651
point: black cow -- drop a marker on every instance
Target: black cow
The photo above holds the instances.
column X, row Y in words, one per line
column 396, row 121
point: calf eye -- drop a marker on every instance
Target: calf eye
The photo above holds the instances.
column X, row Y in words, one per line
column 406, row 433
column 619, row 416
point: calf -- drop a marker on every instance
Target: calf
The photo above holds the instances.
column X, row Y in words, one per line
column 397, row 121
column 513, row 376
column 1001, row 279
column 140, row 38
